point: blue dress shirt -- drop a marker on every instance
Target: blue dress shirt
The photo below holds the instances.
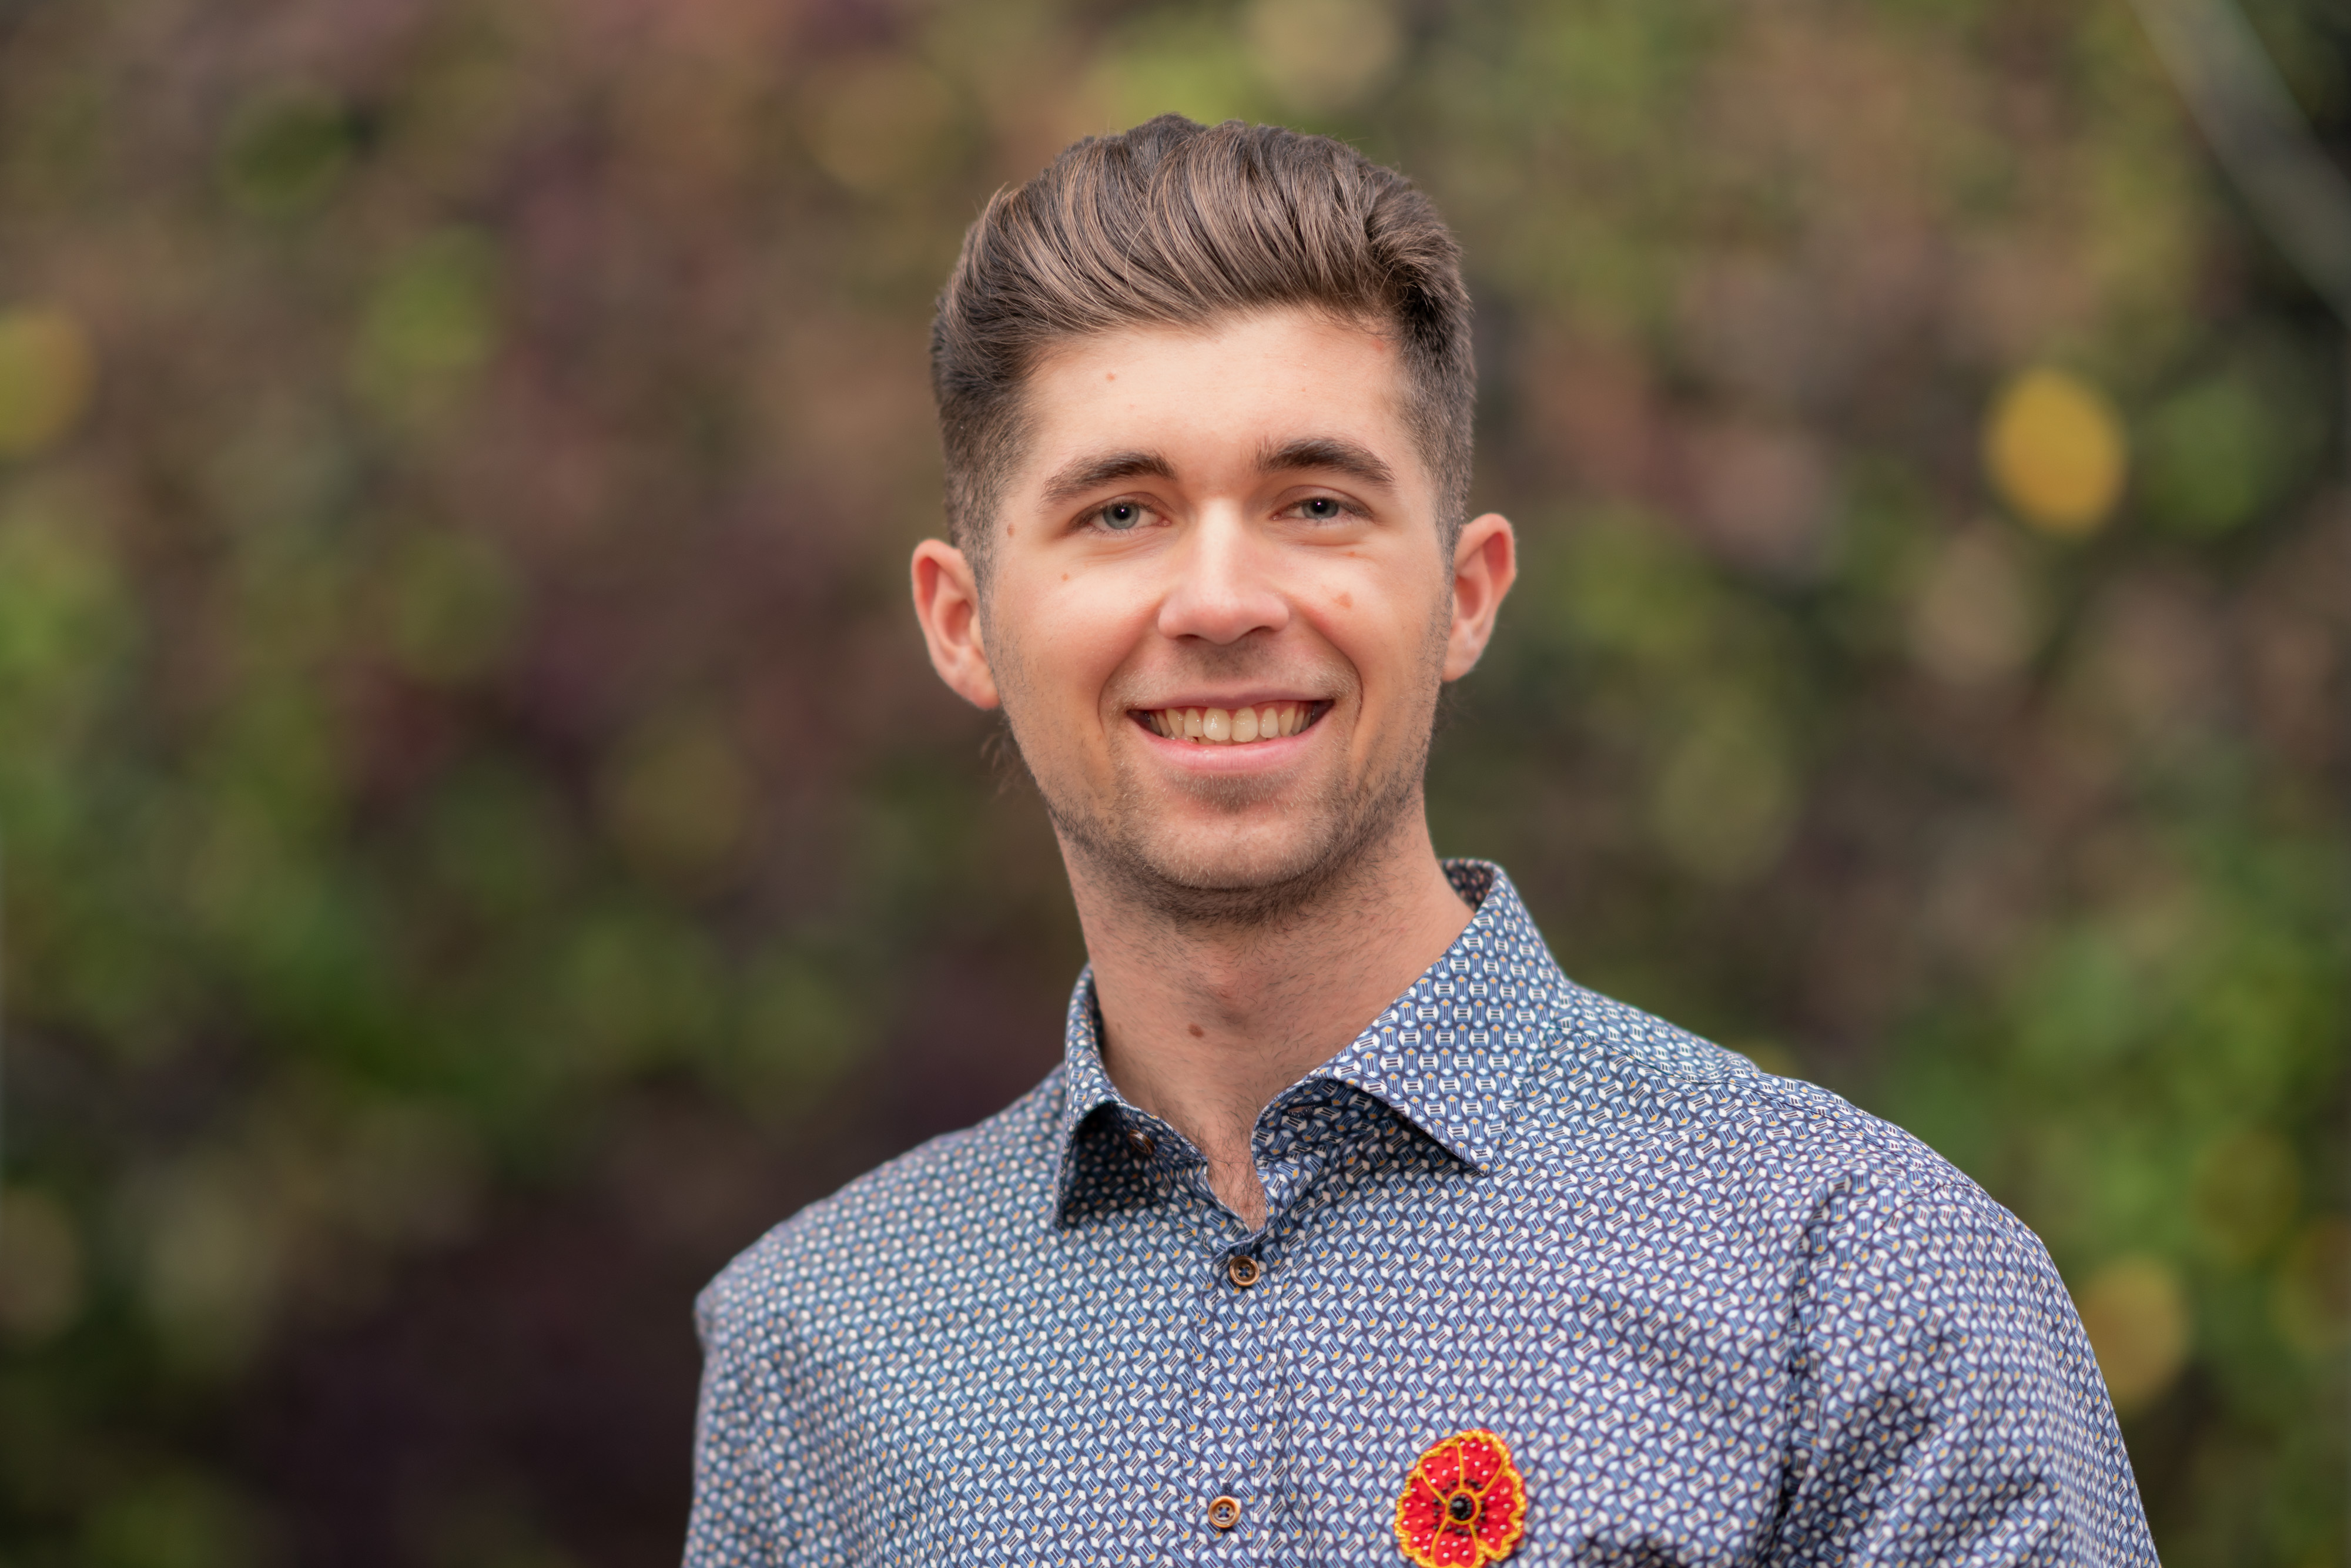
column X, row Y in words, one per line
column 1718, row 1317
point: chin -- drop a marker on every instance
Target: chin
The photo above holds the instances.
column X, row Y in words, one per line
column 1226, row 874
column 1265, row 860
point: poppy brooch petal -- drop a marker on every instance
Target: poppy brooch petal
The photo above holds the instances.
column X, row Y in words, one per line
column 1464, row 1505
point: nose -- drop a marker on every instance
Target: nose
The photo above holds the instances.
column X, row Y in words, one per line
column 1224, row 588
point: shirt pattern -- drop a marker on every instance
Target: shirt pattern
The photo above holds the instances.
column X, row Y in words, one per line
column 1720, row 1317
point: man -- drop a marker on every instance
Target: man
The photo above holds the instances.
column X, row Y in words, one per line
column 1350, row 1231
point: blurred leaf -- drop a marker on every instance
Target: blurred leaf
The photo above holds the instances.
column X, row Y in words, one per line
column 1727, row 795
column 2212, row 457
column 41, row 1268
column 804, row 1026
column 171, row 1520
column 428, row 324
column 47, row 372
column 286, row 152
column 678, row 796
column 882, row 125
column 451, row 605
column 1318, row 56
column 2247, row 1186
column 1174, row 61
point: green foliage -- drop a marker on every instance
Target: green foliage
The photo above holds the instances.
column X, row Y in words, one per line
column 464, row 755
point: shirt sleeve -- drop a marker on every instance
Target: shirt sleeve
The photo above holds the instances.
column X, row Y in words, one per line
column 1947, row 1408
column 750, row 1460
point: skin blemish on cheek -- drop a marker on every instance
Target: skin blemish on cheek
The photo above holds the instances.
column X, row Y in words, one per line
column 1347, row 600
column 1196, row 1030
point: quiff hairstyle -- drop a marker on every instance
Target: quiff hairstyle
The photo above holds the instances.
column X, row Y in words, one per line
column 1179, row 223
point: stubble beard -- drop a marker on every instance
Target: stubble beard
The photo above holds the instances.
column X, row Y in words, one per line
column 1110, row 840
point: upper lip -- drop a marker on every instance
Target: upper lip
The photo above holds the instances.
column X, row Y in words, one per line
column 1243, row 699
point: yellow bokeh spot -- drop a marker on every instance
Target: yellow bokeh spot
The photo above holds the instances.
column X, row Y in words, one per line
column 2056, row 450
column 46, row 372
column 2136, row 1312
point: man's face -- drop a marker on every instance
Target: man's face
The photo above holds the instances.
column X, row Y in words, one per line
column 1218, row 608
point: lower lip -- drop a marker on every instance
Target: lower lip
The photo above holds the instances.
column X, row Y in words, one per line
column 1227, row 756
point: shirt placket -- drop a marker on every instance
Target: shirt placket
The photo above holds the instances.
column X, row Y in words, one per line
column 1240, row 1321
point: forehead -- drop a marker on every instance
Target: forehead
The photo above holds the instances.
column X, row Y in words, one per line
column 1211, row 397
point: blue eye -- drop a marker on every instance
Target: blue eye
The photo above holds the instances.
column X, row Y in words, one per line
column 1121, row 515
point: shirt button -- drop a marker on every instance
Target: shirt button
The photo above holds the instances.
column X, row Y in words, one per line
column 1243, row 1271
column 1225, row 1512
column 1141, row 1142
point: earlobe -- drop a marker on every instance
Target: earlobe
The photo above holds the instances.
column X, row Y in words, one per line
column 1485, row 564
column 946, row 603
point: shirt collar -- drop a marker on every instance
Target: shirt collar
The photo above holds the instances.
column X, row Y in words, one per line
column 1446, row 1054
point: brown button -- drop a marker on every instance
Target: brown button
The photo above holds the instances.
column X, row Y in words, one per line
column 1141, row 1142
column 1225, row 1512
column 1242, row 1270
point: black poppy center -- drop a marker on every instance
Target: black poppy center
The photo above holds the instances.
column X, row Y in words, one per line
column 1462, row 1506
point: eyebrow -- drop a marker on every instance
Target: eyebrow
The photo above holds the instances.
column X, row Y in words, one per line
column 1074, row 478
column 1334, row 452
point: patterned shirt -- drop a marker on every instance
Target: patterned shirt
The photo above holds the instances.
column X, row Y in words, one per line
column 1713, row 1316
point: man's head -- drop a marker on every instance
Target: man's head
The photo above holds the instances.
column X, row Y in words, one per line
column 1178, row 225
column 1227, row 506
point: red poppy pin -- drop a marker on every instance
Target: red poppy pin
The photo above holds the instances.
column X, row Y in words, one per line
column 1465, row 1505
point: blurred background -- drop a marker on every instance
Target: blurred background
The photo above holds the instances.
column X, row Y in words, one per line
column 481, row 840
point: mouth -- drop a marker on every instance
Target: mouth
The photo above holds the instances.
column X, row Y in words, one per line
column 1231, row 727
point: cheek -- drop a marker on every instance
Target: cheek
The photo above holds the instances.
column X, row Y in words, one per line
column 1383, row 627
column 1068, row 639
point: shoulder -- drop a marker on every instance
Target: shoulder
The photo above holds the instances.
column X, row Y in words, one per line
column 1814, row 1154
column 1883, row 1246
column 948, row 1198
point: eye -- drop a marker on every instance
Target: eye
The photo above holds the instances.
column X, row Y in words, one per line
column 1320, row 508
column 1120, row 516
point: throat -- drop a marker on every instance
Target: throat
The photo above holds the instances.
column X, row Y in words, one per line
column 1234, row 1179
column 1204, row 1030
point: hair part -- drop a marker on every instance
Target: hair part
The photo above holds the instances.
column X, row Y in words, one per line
column 1174, row 224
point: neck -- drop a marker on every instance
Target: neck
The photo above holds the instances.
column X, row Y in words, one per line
column 1204, row 1023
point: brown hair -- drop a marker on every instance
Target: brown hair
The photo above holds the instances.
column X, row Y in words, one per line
column 1173, row 223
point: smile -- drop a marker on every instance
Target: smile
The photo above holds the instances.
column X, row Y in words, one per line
column 1231, row 726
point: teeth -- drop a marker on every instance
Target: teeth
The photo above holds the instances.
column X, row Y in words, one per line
column 1228, row 727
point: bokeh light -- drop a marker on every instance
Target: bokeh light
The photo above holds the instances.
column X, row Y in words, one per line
column 2137, row 1317
column 2056, row 452
column 47, row 369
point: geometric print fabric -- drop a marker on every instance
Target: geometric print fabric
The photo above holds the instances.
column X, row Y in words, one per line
column 1718, row 1317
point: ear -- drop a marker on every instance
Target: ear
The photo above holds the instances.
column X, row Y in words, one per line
column 1485, row 564
column 946, row 601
